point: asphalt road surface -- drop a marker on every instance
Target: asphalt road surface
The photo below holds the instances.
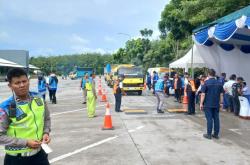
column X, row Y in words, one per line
column 138, row 139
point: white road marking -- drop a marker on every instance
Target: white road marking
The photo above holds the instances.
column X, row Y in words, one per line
column 90, row 146
column 131, row 130
column 236, row 131
column 82, row 149
column 60, row 113
column 140, row 127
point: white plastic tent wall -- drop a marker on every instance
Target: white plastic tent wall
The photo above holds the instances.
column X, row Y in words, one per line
column 186, row 61
column 230, row 62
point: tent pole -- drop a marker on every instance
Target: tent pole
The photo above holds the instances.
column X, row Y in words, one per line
column 192, row 61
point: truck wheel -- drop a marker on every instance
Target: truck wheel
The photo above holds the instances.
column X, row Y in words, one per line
column 139, row 93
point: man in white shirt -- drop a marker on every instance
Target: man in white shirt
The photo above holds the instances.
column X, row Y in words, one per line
column 228, row 90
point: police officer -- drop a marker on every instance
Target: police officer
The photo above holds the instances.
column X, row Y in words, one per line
column 118, row 92
column 155, row 78
column 42, row 86
column 190, row 90
column 211, row 98
column 159, row 93
column 236, row 91
column 83, row 87
column 24, row 123
column 91, row 96
column 53, row 82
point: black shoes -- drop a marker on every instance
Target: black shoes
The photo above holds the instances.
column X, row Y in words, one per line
column 160, row 111
column 210, row 137
column 207, row 136
column 215, row 136
column 84, row 102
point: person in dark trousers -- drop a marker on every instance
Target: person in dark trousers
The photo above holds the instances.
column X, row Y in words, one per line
column 53, row 82
column 190, row 89
column 42, row 86
column 222, row 80
column 236, row 90
column 211, row 99
column 229, row 91
column 148, row 80
column 177, row 87
column 24, row 123
column 118, row 92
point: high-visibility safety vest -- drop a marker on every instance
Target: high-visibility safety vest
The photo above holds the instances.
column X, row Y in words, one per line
column 88, row 86
column 52, row 83
column 42, row 86
column 26, row 123
column 192, row 85
column 115, row 87
column 159, row 86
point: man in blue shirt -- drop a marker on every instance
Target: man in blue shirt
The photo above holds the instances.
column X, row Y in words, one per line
column 211, row 98
column 155, row 79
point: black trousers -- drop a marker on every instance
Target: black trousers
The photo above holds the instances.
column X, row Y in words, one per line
column 191, row 102
column 230, row 103
column 236, row 105
column 118, row 101
column 52, row 96
column 178, row 94
column 41, row 158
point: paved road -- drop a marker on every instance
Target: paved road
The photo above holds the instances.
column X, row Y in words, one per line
column 152, row 139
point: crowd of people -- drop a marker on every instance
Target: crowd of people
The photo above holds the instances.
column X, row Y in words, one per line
column 212, row 93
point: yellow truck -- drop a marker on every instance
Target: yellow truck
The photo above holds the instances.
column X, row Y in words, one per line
column 133, row 78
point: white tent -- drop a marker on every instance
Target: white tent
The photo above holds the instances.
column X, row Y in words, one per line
column 230, row 62
column 7, row 63
column 186, row 61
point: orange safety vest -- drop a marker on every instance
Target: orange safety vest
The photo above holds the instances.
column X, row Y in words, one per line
column 192, row 85
column 115, row 88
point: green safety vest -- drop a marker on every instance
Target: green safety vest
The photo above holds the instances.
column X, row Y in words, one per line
column 88, row 86
column 29, row 127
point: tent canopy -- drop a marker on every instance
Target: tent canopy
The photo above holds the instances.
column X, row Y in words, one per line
column 186, row 61
column 229, row 32
column 225, row 44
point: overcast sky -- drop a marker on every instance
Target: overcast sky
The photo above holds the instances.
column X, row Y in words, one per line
column 53, row 27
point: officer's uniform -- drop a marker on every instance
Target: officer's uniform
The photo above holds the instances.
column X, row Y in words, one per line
column 159, row 93
column 53, row 81
column 91, row 99
column 155, row 78
column 20, row 121
column 236, row 101
column 190, row 89
column 83, row 86
column 42, row 87
column 117, row 90
column 212, row 89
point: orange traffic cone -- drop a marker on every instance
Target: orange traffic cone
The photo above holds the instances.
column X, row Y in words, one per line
column 99, row 92
column 185, row 99
column 107, row 119
column 104, row 97
column 145, row 86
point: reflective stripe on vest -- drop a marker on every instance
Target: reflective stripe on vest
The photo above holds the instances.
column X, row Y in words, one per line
column 28, row 124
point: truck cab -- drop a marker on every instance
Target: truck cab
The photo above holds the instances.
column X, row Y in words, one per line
column 133, row 78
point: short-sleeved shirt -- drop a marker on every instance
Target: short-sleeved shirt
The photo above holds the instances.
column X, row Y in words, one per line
column 212, row 89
